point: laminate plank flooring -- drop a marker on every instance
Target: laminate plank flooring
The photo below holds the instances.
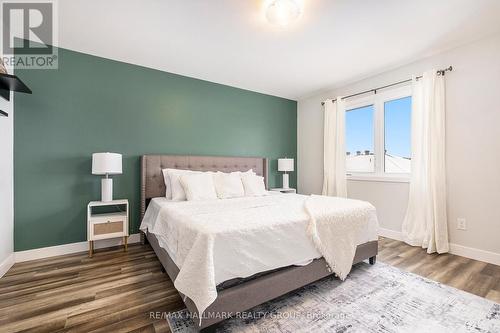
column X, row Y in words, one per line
column 114, row 291
column 476, row 277
column 118, row 292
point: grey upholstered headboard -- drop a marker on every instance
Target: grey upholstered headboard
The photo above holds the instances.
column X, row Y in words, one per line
column 153, row 185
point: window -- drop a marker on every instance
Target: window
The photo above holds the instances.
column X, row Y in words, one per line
column 360, row 139
column 378, row 135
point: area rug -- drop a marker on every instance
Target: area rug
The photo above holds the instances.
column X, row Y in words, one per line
column 378, row 298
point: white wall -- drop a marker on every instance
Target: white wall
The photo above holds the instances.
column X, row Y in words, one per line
column 473, row 144
column 6, row 187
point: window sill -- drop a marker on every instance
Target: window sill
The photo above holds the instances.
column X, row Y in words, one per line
column 384, row 179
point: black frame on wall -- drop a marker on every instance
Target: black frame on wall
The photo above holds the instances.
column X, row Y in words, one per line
column 10, row 83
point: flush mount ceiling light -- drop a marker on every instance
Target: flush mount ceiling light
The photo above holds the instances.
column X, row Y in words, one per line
column 282, row 12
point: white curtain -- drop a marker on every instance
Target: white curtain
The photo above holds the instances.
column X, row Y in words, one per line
column 334, row 169
column 425, row 223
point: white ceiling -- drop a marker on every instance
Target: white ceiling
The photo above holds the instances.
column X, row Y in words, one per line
column 229, row 42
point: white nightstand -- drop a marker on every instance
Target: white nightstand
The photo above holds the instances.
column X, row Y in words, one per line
column 284, row 190
column 107, row 220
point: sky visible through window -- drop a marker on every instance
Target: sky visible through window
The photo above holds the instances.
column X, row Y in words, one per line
column 398, row 127
column 359, row 129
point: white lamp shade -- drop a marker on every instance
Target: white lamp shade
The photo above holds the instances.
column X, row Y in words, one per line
column 106, row 163
column 285, row 164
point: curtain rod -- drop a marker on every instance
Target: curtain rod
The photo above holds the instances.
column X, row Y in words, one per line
column 439, row 72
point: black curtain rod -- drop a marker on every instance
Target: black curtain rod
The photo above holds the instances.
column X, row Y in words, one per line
column 439, row 72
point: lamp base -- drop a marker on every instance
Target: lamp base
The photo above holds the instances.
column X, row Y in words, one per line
column 285, row 181
column 106, row 189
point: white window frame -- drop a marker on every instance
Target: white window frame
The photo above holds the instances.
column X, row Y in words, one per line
column 378, row 101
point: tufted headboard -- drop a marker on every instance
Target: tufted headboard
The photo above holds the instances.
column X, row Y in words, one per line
column 153, row 185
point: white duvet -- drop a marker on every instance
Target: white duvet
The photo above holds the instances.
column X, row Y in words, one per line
column 218, row 240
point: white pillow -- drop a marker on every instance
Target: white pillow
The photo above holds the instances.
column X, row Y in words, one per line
column 228, row 185
column 168, row 186
column 254, row 185
column 175, row 191
column 249, row 172
column 198, row 186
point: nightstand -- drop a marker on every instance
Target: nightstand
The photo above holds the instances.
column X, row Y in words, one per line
column 284, row 190
column 107, row 220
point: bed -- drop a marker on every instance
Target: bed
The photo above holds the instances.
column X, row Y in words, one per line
column 240, row 283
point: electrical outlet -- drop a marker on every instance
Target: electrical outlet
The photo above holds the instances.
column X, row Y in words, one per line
column 461, row 224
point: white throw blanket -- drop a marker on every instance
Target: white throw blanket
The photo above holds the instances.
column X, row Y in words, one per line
column 334, row 226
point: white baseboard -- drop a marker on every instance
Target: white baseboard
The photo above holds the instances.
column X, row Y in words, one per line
column 46, row 252
column 397, row 235
column 7, row 264
column 477, row 254
column 459, row 250
column 59, row 250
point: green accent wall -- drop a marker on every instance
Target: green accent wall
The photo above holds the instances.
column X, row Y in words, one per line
column 91, row 104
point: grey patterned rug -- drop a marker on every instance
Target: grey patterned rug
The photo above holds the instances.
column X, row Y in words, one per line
column 378, row 298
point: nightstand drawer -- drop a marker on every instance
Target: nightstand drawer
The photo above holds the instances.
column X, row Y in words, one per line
column 103, row 226
column 108, row 227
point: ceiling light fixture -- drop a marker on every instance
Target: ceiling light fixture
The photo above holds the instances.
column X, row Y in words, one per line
column 282, row 12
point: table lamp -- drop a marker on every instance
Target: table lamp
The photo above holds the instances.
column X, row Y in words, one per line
column 106, row 164
column 285, row 165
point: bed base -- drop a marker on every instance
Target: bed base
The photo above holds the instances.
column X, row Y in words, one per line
column 256, row 291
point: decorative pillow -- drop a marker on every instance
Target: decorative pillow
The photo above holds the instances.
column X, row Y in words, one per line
column 198, row 186
column 175, row 191
column 228, row 185
column 254, row 185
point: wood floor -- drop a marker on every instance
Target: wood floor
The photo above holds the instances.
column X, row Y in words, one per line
column 473, row 276
column 112, row 292
column 127, row 292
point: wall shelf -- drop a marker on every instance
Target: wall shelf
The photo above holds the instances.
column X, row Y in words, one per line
column 10, row 83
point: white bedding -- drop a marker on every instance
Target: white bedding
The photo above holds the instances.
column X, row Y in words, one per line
column 217, row 240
